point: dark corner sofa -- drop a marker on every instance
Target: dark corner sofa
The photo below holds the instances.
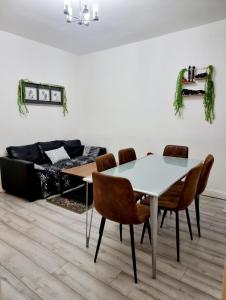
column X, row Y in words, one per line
column 27, row 172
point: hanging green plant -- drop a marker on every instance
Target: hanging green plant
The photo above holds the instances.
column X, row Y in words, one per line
column 209, row 97
column 65, row 109
column 178, row 102
column 21, row 99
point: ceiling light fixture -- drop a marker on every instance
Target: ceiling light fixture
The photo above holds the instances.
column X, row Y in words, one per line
column 84, row 17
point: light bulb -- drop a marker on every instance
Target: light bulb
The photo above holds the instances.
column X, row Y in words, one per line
column 95, row 12
column 86, row 14
column 69, row 17
column 67, row 6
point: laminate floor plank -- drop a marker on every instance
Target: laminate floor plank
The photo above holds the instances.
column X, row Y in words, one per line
column 45, row 285
column 43, row 255
column 16, row 284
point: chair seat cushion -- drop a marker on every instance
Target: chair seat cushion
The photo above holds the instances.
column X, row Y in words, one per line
column 143, row 213
column 169, row 199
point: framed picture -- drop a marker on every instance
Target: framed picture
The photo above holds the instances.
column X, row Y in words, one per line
column 43, row 94
column 36, row 93
column 56, row 95
column 31, row 92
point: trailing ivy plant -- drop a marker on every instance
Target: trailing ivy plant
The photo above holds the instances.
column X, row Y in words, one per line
column 22, row 105
column 178, row 102
column 209, row 97
column 21, row 98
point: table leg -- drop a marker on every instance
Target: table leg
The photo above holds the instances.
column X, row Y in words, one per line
column 87, row 200
column 88, row 225
column 154, row 230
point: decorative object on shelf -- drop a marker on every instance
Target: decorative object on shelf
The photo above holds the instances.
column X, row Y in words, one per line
column 84, row 14
column 201, row 76
column 192, row 73
column 186, row 92
column 208, row 93
column 209, row 97
column 40, row 93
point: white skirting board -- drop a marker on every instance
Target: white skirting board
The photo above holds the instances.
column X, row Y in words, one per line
column 215, row 194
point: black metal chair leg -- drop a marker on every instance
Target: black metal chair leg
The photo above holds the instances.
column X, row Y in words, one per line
column 149, row 230
column 163, row 217
column 189, row 223
column 133, row 252
column 143, row 233
column 177, row 235
column 102, row 223
column 197, row 214
column 120, row 231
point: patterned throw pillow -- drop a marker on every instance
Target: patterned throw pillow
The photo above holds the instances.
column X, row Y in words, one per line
column 91, row 151
column 57, row 155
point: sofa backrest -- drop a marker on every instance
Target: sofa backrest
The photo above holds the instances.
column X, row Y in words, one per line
column 28, row 152
column 36, row 152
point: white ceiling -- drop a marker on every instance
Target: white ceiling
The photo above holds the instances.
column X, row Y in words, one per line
column 121, row 21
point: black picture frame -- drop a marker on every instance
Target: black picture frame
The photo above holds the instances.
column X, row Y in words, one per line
column 27, row 90
column 43, row 94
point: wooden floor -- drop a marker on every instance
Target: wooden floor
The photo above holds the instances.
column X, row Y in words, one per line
column 43, row 256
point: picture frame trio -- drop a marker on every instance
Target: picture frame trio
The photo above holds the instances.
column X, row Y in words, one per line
column 35, row 93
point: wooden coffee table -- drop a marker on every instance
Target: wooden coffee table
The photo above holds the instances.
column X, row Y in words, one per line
column 81, row 171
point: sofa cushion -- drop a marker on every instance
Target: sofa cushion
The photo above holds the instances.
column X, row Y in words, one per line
column 91, row 151
column 73, row 148
column 74, row 151
column 56, row 155
column 46, row 146
column 72, row 143
column 27, row 152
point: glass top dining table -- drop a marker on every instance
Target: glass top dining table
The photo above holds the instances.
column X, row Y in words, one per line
column 152, row 175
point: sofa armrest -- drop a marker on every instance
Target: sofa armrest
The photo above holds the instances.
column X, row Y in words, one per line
column 17, row 176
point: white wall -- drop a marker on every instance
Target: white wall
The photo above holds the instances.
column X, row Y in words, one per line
column 23, row 58
column 119, row 97
column 128, row 92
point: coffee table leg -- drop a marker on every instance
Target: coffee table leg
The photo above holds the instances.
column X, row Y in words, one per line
column 154, row 231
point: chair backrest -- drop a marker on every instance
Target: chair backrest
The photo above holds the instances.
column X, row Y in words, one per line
column 105, row 162
column 176, row 151
column 126, row 155
column 189, row 187
column 207, row 166
column 113, row 198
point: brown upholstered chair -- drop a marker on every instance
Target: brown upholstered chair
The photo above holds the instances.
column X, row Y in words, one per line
column 105, row 162
column 176, row 151
column 177, row 201
column 125, row 156
column 204, row 176
column 114, row 199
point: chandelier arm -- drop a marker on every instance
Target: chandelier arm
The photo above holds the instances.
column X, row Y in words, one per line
column 74, row 19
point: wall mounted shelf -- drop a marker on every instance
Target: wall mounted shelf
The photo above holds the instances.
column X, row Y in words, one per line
column 205, row 89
